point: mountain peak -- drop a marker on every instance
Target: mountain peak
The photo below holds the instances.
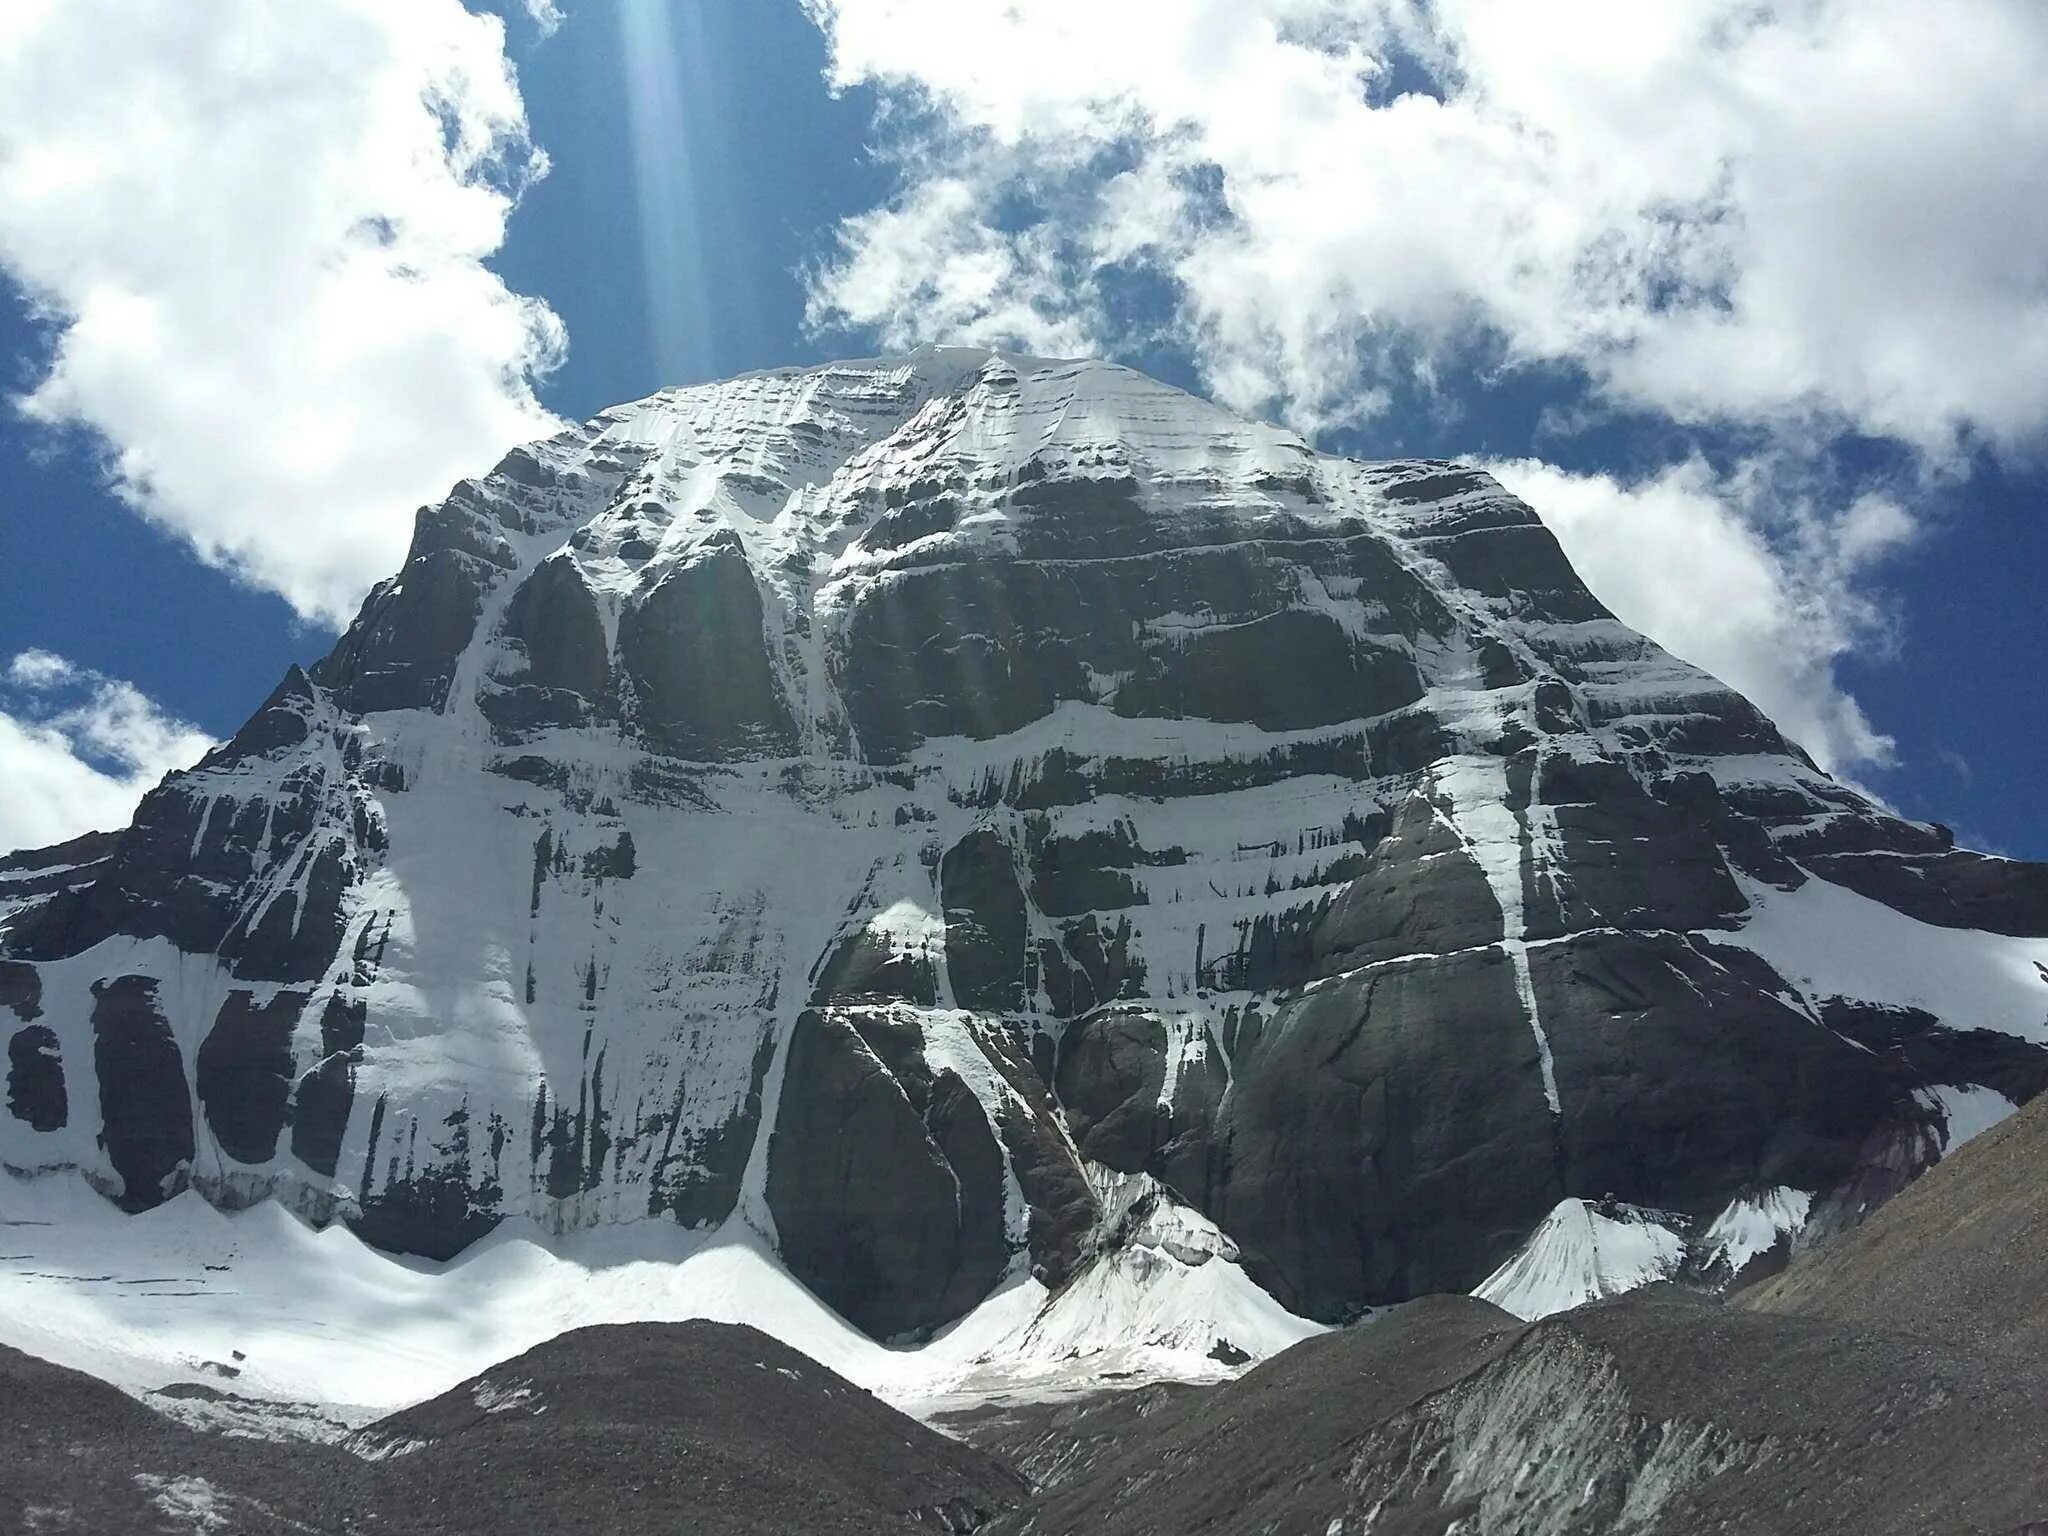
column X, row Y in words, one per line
column 970, row 822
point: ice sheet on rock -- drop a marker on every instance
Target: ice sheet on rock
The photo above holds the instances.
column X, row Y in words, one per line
column 1162, row 1295
column 1477, row 810
column 1828, row 941
column 1752, row 1225
column 1581, row 1252
column 1967, row 1110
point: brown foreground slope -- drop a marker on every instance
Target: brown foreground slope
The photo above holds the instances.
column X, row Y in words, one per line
column 700, row 1427
column 1658, row 1412
column 1892, row 1380
column 1960, row 1256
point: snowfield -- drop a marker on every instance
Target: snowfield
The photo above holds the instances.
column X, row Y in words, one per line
column 259, row 1304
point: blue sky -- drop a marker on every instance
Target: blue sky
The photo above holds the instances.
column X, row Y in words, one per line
column 1861, row 544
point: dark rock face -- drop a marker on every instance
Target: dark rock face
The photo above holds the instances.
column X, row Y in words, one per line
column 1416, row 894
column 401, row 651
column 35, row 1078
column 145, row 1101
column 257, row 878
column 980, row 650
column 1348, row 1132
column 36, row 874
column 554, row 622
column 424, row 1198
column 901, row 1224
column 987, row 924
column 21, row 989
column 944, row 790
column 1741, row 1093
column 245, row 1073
column 324, row 1095
column 694, row 650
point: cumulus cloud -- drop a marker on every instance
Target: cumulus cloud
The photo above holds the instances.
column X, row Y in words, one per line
column 79, row 749
column 1681, row 555
column 1830, row 211
column 258, row 233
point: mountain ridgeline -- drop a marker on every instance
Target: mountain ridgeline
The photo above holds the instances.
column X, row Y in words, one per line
column 905, row 807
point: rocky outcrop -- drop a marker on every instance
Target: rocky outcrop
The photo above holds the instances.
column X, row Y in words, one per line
column 693, row 648
column 884, row 806
column 145, row 1106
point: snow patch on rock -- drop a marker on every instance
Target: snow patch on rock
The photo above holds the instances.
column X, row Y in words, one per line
column 1967, row 1110
column 1581, row 1252
column 1750, row 1226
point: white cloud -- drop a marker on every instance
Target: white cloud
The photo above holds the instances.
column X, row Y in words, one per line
column 260, row 231
column 78, row 750
column 545, row 15
column 1678, row 556
column 1722, row 210
column 1784, row 219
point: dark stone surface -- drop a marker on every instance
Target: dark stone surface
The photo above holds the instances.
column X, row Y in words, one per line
column 401, row 651
column 1112, row 1070
column 864, row 967
column 326, row 1092
column 1060, row 1206
column 1626, row 858
column 86, row 848
column 244, row 1072
column 1385, row 1135
column 1419, row 893
column 1955, row 889
column 1919, row 1048
column 1093, row 964
column 696, row 654
column 145, row 1102
column 1284, row 672
column 187, row 868
column 1522, row 563
column 696, row 1177
column 898, row 1228
column 980, row 648
column 554, row 622
column 293, row 937
column 1683, row 1077
column 21, row 990
column 35, row 1078
column 430, row 1199
column 614, row 861
column 280, row 724
column 1090, row 872
column 986, row 923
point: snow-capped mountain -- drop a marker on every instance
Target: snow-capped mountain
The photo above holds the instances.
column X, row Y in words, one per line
column 962, row 816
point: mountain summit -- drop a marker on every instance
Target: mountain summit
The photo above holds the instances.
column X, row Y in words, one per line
column 966, row 820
